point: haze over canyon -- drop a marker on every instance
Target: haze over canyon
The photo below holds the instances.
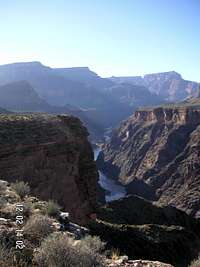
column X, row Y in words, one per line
column 121, row 155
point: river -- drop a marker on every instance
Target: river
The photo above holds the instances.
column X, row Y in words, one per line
column 113, row 189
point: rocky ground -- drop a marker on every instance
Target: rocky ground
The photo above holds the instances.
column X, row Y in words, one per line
column 32, row 206
column 124, row 262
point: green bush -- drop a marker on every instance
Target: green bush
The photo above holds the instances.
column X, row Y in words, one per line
column 195, row 263
column 21, row 188
column 52, row 208
column 37, row 228
column 62, row 251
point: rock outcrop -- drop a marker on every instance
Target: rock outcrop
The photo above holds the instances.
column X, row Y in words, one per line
column 147, row 231
column 155, row 153
column 53, row 155
column 173, row 244
column 137, row 263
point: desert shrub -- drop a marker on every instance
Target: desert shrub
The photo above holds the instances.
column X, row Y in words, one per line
column 52, row 208
column 6, row 257
column 27, row 209
column 9, row 258
column 21, row 188
column 195, row 263
column 92, row 243
column 62, row 251
column 38, row 227
column 41, row 206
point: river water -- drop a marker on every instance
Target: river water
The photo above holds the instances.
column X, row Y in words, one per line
column 114, row 191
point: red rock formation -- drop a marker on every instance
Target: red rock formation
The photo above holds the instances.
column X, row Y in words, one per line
column 53, row 154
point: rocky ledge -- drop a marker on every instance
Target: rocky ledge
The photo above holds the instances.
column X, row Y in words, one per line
column 138, row 263
column 168, row 114
column 53, row 155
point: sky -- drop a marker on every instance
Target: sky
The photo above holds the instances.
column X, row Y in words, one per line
column 111, row 37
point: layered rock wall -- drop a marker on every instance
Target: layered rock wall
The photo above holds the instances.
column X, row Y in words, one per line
column 159, row 148
column 176, row 115
column 53, row 155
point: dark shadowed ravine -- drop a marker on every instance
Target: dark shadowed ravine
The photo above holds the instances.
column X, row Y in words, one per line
column 113, row 189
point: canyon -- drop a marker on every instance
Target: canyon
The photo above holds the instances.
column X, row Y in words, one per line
column 135, row 185
column 99, row 102
column 155, row 154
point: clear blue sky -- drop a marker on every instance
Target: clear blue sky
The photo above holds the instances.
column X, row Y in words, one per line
column 112, row 37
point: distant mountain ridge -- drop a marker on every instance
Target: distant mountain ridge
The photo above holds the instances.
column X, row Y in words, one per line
column 101, row 100
column 169, row 85
column 20, row 96
column 50, row 86
column 85, row 75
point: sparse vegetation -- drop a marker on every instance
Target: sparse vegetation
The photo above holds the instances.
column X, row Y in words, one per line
column 52, row 209
column 92, row 243
column 38, row 227
column 21, row 188
column 9, row 258
column 6, row 257
column 62, row 251
column 27, row 208
column 115, row 254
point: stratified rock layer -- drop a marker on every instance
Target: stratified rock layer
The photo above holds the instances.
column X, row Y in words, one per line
column 53, row 154
column 156, row 153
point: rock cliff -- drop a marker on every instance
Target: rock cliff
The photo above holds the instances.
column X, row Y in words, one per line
column 155, row 153
column 53, row 154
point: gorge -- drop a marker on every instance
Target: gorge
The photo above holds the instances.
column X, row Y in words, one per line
column 159, row 157
column 113, row 190
column 134, row 183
